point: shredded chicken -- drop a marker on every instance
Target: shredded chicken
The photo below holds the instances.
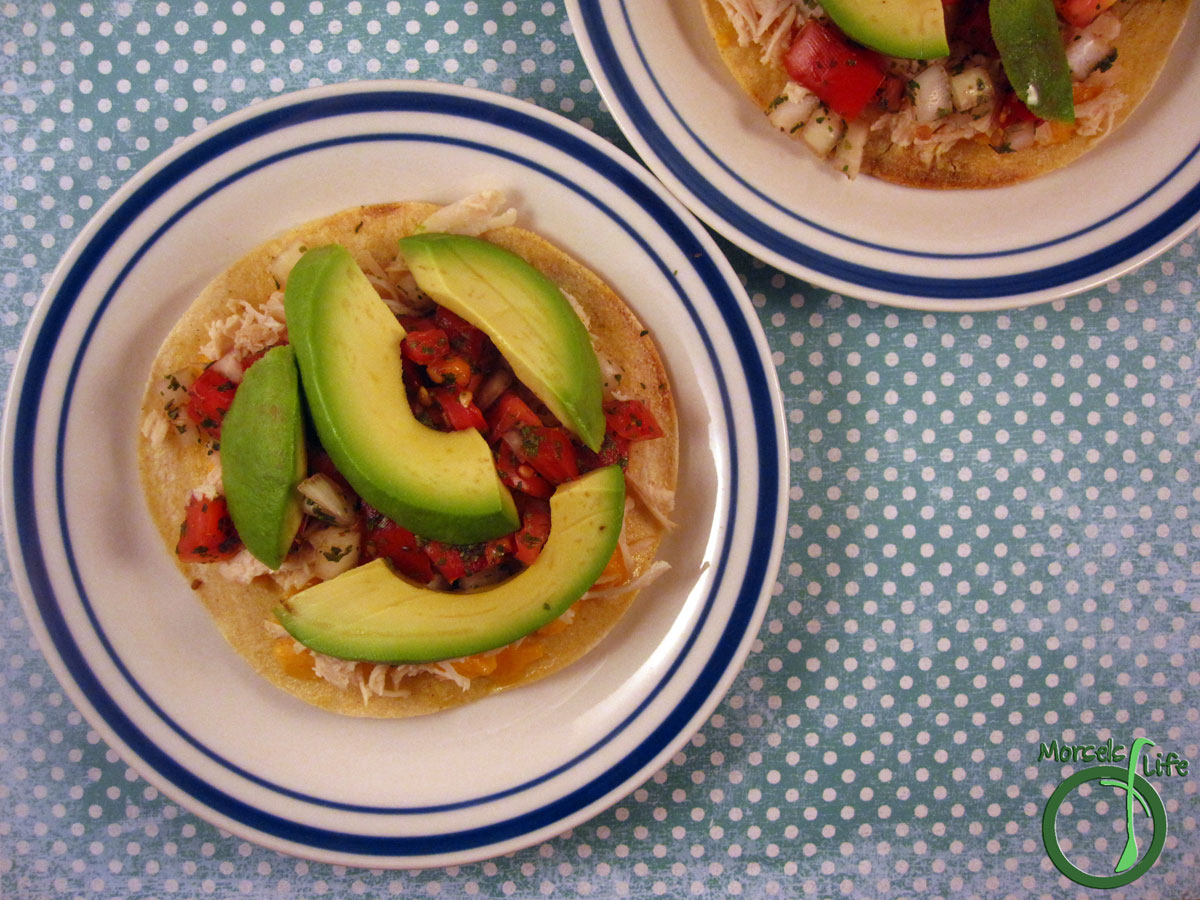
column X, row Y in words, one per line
column 242, row 568
column 582, row 313
column 247, row 331
column 155, row 427
column 1096, row 116
column 767, row 23
column 906, row 131
column 658, row 501
column 212, row 486
column 372, row 680
column 472, row 215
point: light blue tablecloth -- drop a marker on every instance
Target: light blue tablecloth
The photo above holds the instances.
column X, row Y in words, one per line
column 992, row 541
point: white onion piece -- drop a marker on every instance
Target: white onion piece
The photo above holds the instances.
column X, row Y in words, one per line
column 971, row 89
column 281, row 266
column 335, row 549
column 823, row 131
column 847, row 158
column 1088, row 47
column 491, row 389
column 794, row 111
column 932, row 98
column 325, row 499
column 1021, row 136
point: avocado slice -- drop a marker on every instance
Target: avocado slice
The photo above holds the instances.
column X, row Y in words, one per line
column 527, row 317
column 1034, row 59
column 263, row 456
column 440, row 485
column 369, row 613
column 911, row 29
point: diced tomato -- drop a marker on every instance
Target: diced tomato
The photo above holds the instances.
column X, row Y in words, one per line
column 425, row 345
column 1081, row 13
column 508, row 412
column 465, row 339
column 550, row 451
column 632, row 420
column 520, row 476
column 448, row 559
column 207, row 533
column 209, row 399
column 535, row 528
column 393, row 542
column 459, row 414
column 613, row 452
column 455, row 561
column 499, row 549
column 843, row 75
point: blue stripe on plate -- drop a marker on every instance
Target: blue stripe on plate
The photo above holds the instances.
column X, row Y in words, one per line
column 41, row 352
column 1089, row 265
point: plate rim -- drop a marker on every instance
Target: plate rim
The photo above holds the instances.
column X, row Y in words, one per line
column 791, row 255
column 18, row 447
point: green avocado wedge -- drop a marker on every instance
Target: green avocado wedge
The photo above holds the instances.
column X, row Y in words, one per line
column 1031, row 51
column 912, row 29
column 369, row 613
column 263, row 456
column 528, row 318
column 440, row 485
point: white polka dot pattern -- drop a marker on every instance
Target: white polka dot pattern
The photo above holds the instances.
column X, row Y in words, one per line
column 992, row 540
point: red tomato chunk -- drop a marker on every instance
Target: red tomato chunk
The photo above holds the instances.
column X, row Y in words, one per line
column 1081, row 13
column 535, row 528
column 520, row 476
column 207, row 533
column 387, row 540
column 460, row 411
column 846, row 77
column 507, row 413
column 632, row 420
column 209, row 399
column 426, row 346
column 549, row 451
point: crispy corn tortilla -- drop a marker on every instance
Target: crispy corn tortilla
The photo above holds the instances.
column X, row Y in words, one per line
column 1148, row 29
column 171, row 469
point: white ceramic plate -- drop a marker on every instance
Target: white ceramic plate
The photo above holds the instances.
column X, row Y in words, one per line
column 136, row 651
column 1118, row 206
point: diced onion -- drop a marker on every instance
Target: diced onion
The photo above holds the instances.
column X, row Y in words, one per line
column 491, row 389
column 931, row 96
column 971, row 89
column 794, row 110
column 325, row 499
column 281, row 266
column 336, row 550
column 849, row 153
column 1021, row 136
column 1090, row 46
column 823, row 131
